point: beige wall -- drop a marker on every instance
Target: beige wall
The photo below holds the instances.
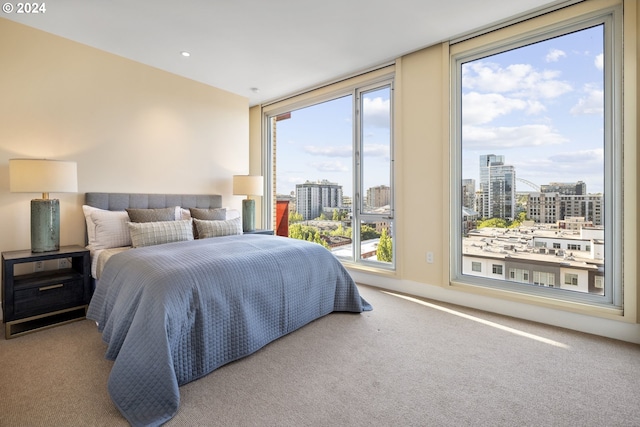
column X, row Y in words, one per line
column 422, row 165
column 422, row 168
column 129, row 127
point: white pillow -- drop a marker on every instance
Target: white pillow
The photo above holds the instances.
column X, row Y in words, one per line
column 218, row 228
column 106, row 229
column 182, row 213
column 91, row 226
column 156, row 233
column 233, row 213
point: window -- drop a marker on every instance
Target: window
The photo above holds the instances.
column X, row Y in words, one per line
column 598, row 282
column 542, row 278
column 476, row 266
column 571, row 279
column 519, row 275
column 331, row 164
column 534, row 130
column 497, row 269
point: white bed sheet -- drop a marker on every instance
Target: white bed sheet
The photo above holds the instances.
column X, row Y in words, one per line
column 100, row 257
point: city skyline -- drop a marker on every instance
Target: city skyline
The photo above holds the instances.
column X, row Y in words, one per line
column 541, row 106
column 316, row 143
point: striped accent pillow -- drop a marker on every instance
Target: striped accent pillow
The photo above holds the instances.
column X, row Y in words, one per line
column 218, row 228
column 156, row 233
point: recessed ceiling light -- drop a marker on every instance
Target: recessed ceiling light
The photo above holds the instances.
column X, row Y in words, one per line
column 185, row 53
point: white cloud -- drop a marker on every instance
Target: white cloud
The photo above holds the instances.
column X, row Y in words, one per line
column 480, row 108
column 518, row 80
column 535, row 107
column 554, row 55
column 476, row 137
column 599, row 62
column 371, row 150
column 341, row 151
column 591, row 103
column 376, row 111
column 376, row 150
column 549, row 89
column 581, row 157
column 335, row 166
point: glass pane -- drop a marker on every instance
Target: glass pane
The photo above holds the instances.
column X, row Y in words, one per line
column 313, row 170
column 376, row 243
column 376, row 151
column 533, row 177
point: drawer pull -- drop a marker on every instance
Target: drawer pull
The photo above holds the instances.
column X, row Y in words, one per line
column 46, row 288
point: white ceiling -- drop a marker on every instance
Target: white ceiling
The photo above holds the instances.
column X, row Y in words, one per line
column 278, row 46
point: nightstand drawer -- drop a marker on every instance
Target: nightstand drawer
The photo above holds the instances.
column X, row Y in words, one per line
column 47, row 297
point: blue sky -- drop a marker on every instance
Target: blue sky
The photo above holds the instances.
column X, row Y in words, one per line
column 316, row 143
column 541, row 107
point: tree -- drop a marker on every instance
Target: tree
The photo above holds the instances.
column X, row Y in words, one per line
column 367, row 232
column 308, row 233
column 340, row 231
column 317, row 238
column 493, row 223
column 522, row 217
column 294, row 217
column 295, row 231
column 384, row 252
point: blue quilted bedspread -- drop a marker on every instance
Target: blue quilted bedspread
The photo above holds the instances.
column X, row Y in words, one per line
column 173, row 313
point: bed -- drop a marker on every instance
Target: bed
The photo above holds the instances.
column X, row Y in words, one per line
column 173, row 311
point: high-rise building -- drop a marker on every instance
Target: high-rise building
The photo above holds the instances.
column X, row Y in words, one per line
column 312, row 197
column 549, row 208
column 567, row 188
column 378, row 196
column 558, row 201
column 469, row 193
column 498, row 187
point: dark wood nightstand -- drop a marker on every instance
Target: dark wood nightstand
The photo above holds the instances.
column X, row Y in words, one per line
column 269, row 232
column 39, row 300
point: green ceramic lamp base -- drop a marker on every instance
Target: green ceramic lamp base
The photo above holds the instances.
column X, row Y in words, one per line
column 45, row 225
column 248, row 215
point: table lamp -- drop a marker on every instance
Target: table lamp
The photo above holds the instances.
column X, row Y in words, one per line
column 43, row 176
column 248, row 185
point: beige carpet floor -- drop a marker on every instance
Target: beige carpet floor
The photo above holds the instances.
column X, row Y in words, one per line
column 409, row 362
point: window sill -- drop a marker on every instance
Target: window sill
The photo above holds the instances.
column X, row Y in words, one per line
column 360, row 268
column 612, row 313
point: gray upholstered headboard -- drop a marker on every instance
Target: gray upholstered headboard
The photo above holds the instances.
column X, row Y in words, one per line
column 121, row 201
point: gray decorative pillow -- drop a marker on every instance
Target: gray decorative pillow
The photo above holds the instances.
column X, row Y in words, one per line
column 152, row 215
column 218, row 228
column 214, row 214
column 156, row 233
